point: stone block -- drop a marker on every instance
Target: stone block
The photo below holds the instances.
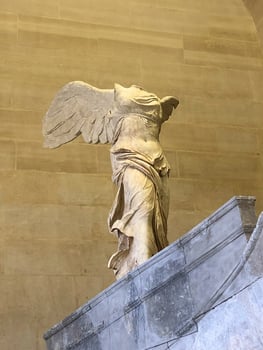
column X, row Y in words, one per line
column 209, row 166
column 260, row 140
column 162, row 315
column 57, row 27
column 27, row 7
column 7, row 155
column 127, row 341
column 203, row 291
column 250, row 266
column 240, row 305
column 22, row 307
column 52, row 287
column 35, row 32
column 26, row 293
column 149, row 40
column 238, row 140
column 33, row 222
column 241, row 328
column 216, row 112
column 43, row 258
column 19, row 124
column 207, row 6
column 1, row 258
column 223, row 223
column 26, row 330
column 33, row 94
column 260, row 30
column 223, row 61
column 100, row 13
column 199, row 81
column 233, row 27
column 6, row 90
column 234, row 33
column 49, row 33
column 77, row 158
column 108, row 48
column 210, row 194
column 68, row 257
column 144, row 17
column 222, row 46
column 181, row 192
column 123, row 299
column 256, row 84
column 125, row 72
column 188, row 137
column 8, row 31
column 145, row 49
column 168, row 293
column 31, row 187
column 90, row 190
column 244, row 186
column 235, row 85
column 219, row 24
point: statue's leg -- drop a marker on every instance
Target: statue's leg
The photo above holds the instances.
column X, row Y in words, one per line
column 137, row 219
column 140, row 197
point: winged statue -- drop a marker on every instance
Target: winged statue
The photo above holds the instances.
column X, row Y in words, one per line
column 130, row 119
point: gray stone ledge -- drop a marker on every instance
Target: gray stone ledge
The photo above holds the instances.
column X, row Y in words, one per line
column 170, row 292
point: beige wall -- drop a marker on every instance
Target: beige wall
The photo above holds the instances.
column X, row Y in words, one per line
column 54, row 244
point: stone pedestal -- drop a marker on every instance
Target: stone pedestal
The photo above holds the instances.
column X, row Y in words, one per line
column 202, row 292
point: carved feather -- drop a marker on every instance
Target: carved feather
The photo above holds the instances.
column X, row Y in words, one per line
column 79, row 108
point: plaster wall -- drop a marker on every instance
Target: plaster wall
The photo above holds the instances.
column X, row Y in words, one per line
column 54, row 243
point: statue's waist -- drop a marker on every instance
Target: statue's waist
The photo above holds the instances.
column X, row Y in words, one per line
column 123, row 157
column 148, row 146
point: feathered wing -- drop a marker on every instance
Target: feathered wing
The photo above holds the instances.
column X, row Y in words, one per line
column 168, row 104
column 79, row 108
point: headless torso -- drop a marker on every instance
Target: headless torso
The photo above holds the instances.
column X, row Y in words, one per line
column 140, row 170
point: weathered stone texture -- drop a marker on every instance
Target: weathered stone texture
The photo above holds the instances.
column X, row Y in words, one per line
column 205, row 52
column 181, row 295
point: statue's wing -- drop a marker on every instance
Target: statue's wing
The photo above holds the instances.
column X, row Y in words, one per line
column 168, row 104
column 79, row 108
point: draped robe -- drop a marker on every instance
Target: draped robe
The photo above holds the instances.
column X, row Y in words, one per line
column 140, row 170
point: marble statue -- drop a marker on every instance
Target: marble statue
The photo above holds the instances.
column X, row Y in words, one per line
column 130, row 119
